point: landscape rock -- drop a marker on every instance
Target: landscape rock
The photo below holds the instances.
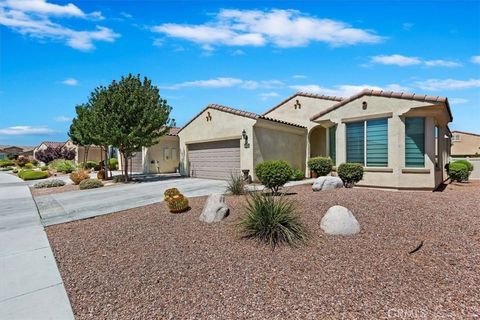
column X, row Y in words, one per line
column 215, row 209
column 327, row 183
column 339, row 221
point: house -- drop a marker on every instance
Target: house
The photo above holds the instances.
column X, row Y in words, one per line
column 163, row 157
column 392, row 134
column 9, row 151
column 465, row 144
column 94, row 152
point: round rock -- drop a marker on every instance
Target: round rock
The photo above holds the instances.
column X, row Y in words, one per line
column 327, row 183
column 339, row 221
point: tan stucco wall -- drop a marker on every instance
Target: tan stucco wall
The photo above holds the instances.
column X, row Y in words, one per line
column 467, row 146
column 395, row 110
column 279, row 142
column 318, row 142
column 156, row 153
column 222, row 126
column 94, row 154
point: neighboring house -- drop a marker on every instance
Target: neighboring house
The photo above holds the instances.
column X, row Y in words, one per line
column 94, row 152
column 162, row 157
column 391, row 134
column 9, row 151
column 465, row 144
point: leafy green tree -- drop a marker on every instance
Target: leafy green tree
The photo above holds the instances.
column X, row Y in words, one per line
column 82, row 128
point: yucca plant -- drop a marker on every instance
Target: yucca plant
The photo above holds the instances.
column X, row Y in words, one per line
column 272, row 220
column 235, row 185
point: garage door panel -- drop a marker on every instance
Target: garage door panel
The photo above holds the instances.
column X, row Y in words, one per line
column 214, row 160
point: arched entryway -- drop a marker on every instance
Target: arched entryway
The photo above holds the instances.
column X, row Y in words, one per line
column 317, row 141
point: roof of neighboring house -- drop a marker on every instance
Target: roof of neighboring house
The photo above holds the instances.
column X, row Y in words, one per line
column 464, row 132
column 53, row 144
column 305, row 94
column 387, row 94
column 24, row 148
column 240, row 113
column 173, row 131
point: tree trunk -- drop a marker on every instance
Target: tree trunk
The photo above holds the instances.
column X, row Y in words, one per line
column 125, row 166
column 85, row 154
column 106, row 163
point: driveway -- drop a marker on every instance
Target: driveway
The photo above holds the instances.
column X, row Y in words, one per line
column 76, row 205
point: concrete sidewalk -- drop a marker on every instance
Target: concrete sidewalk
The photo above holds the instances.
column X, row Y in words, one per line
column 30, row 284
column 76, row 205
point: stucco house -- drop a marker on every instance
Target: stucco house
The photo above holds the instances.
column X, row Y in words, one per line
column 391, row 134
column 94, row 152
column 9, row 151
column 465, row 144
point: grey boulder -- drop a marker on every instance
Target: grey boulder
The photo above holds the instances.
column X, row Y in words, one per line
column 339, row 221
column 215, row 209
column 327, row 183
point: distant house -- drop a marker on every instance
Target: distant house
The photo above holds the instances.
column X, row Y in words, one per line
column 9, row 151
column 94, row 152
column 465, row 144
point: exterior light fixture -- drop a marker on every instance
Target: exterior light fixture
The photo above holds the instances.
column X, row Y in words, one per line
column 245, row 137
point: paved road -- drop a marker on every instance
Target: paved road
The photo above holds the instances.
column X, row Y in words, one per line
column 75, row 205
column 30, row 284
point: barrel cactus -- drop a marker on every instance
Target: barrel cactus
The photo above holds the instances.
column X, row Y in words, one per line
column 178, row 203
column 170, row 193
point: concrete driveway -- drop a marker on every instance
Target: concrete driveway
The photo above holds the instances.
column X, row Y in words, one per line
column 76, row 205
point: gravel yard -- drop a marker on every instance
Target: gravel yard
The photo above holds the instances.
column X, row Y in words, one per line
column 146, row 263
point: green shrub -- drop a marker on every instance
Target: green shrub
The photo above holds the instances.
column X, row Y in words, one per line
column 32, row 175
column 467, row 163
column 90, row 164
column 350, row 173
column 458, row 171
column 61, row 165
column 235, row 185
column 178, row 203
column 297, row 175
column 320, row 165
column 23, row 160
column 6, row 169
column 44, row 168
column 15, row 170
column 113, row 164
column 49, row 184
column 272, row 220
column 6, row 163
column 119, row 178
column 90, row 184
column 29, row 165
column 273, row 173
column 170, row 193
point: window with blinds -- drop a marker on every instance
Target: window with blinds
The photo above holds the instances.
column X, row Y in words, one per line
column 332, row 144
column 367, row 142
column 415, row 142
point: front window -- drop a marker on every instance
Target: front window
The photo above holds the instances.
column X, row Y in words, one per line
column 332, row 148
column 415, row 142
column 367, row 142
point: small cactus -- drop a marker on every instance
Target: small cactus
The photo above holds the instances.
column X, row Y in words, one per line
column 177, row 203
column 170, row 193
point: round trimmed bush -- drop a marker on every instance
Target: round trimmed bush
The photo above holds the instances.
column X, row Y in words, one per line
column 6, row 163
column 467, row 163
column 29, row 165
column 350, row 173
column 113, row 164
column 90, row 184
column 44, row 168
column 32, row 175
column 297, row 175
column 320, row 165
column 49, row 184
column 458, row 171
column 273, row 173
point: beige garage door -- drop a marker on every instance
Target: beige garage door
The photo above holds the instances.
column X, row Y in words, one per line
column 214, row 160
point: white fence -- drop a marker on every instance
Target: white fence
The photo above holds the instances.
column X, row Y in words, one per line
column 475, row 175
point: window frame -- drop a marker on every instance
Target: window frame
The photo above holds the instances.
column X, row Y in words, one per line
column 424, row 164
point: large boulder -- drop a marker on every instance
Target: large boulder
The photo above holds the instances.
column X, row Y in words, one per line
column 327, row 183
column 215, row 209
column 339, row 221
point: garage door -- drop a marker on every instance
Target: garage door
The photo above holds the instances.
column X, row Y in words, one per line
column 136, row 162
column 214, row 160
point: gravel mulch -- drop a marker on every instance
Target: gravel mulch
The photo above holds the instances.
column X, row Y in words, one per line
column 146, row 263
column 44, row 191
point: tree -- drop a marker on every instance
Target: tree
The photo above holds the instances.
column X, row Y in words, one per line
column 50, row 153
column 128, row 115
column 82, row 128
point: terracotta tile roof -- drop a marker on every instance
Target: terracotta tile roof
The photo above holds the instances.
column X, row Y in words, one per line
column 173, row 131
column 308, row 95
column 387, row 94
column 53, row 144
column 240, row 113
column 464, row 132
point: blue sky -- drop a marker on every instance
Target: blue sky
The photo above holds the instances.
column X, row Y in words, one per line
column 246, row 54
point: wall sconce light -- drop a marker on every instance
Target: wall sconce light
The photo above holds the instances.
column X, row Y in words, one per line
column 245, row 137
column 364, row 105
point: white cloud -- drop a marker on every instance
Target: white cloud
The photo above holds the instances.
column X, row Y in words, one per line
column 346, row 90
column 268, row 95
column 63, row 119
column 396, row 59
column 32, row 18
column 402, row 61
column 70, row 82
column 282, row 28
column 224, row 82
column 25, row 131
column 476, row 59
column 458, row 100
column 441, row 63
column 447, row 84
